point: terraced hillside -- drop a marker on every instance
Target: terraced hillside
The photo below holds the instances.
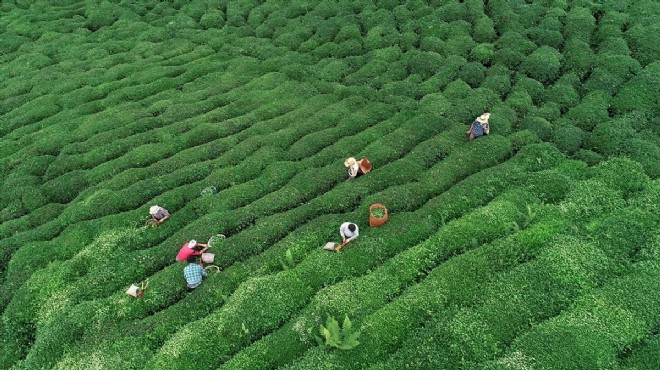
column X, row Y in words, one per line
column 534, row 247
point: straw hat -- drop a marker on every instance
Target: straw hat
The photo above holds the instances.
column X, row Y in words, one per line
column 192, row 243
column 153, row 210
column 349, row 162
column 483, row 118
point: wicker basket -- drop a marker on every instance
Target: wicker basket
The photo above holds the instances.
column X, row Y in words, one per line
column 373, row 220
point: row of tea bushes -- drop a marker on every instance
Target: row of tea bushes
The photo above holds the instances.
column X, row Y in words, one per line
column 511, row 305
column 597, row 328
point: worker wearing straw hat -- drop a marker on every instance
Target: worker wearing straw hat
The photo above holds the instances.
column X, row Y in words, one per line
column 158, row 214
column 479, row 127
column 357, row 168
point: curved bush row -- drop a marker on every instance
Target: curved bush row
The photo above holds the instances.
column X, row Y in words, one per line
column 511, row 305
column 597, row 327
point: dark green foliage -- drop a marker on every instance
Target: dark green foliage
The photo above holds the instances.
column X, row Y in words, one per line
column 568, row 138
column 578, row 56
column 579, row 24
column 483, row 30
column 483, row 53
column 520, row 139
column 640, row 37
column 588, row 156
column 473, row 73
column 610, row 137
column 591, row 111
column 459, row 45
column 640, row 93
column 539, row 126
column 424, row 64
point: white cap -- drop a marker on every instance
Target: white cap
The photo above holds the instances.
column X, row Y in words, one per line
column 192, row 243
column 153, row 210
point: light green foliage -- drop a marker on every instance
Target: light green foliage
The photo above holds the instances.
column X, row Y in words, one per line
column 343, row 338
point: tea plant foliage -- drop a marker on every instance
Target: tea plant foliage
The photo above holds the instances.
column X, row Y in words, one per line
column 535, row 246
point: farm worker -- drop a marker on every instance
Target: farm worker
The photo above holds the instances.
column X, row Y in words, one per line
column 357, row 168
column 349, row 231
column 192, row 248
column 193, row 273
column 158, row 214
column 479, row 127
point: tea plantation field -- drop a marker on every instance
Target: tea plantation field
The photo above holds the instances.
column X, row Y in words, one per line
column 534, row 247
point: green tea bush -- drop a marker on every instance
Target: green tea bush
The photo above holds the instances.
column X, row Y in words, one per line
column 460, row 45
column 534, row 88
column 445, row 74
column 101, row 15
column 579, row 58
column 334, row 298
column 484, row 31
column 590, row 198
column 539, row 126
column 611, row 136
column 543, row 64
column 521, row 102
column 588, row 156
column 640, row 38
column 591, row 111
column 646, row 153
column 483, row 53
column 614, row 45
column 624, row 234
column 550, row 111
column 212, row 19
column 521, row 138
column 546, row 37
column 66, row 187
column 623, row 174
column 638, row 94
column 643, row 355
column 515, row 300
column 568, row 138
column 423, row 63
column 563, row 95
column 473, row 73
column 610, row 72
column 537, row 157
column 579, row 24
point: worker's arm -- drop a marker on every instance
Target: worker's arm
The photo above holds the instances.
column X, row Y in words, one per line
column 162, row 219
column 487, row 128
column 470, row 129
